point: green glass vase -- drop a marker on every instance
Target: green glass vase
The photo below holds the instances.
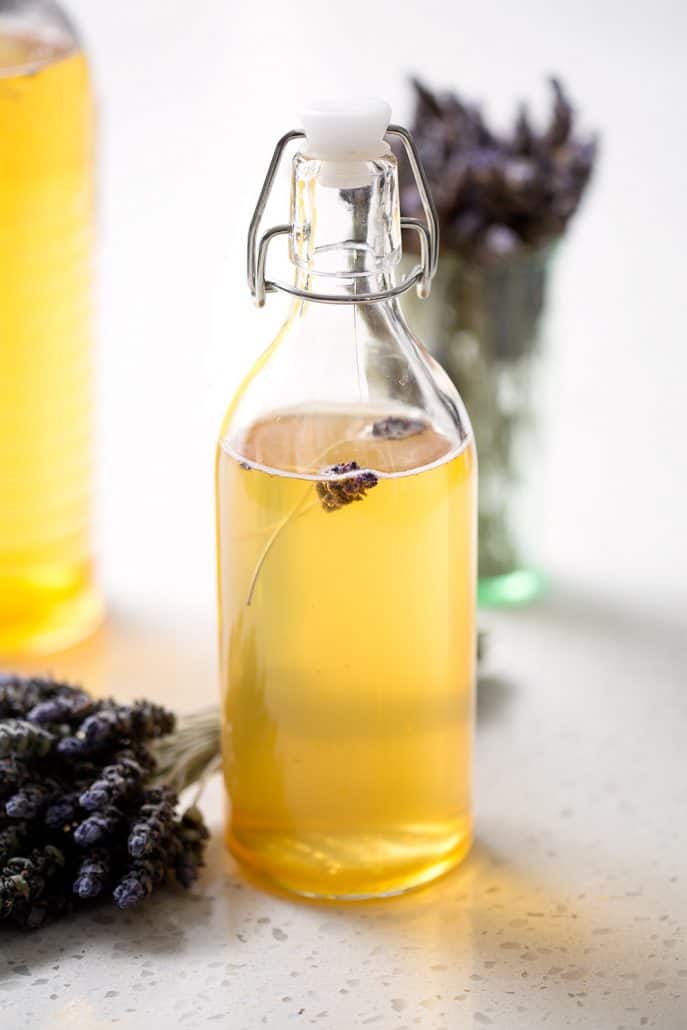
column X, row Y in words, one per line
column 485, row 325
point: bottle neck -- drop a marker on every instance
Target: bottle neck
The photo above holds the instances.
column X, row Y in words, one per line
column 367, row 289
column 346, row 229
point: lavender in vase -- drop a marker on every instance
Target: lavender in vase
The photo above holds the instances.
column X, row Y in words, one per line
column 504, row 200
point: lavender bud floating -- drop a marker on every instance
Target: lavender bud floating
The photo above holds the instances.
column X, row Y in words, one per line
column 395, row 427
column 344, row 483
column 505, row 200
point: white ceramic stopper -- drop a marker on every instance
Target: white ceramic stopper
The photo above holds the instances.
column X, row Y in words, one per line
column 349, row 129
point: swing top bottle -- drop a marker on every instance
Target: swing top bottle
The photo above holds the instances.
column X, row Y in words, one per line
column 346, row 545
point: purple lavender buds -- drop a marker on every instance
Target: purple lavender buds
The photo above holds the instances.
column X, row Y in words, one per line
column 497, row 194
column 345, row 483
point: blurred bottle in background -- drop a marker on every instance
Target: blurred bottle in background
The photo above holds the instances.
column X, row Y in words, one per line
column 48, row 598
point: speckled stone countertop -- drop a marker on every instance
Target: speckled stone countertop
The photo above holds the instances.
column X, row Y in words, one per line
column 570, row 911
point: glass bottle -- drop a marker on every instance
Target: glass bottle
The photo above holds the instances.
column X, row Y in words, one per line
column 48, row 599
column 346, row 516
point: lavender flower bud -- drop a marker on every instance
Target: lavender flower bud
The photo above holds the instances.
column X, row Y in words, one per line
column 527, row 182
column 192, row 835
column 63, row 814
column 93, row 875
column 116, row 724
column 21, row 738
column 334, row 493
column 62, row 709
column 117, row 782
column 95, row 733
column 152, row 824
column 31, row 799
column 98, row 827
column 139, row 881
column 397, row 427
column 150, row 720
column 19, row 695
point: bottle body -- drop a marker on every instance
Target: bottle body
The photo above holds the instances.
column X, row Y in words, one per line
column 348, row 661
column 48, row 599
column 346, row 543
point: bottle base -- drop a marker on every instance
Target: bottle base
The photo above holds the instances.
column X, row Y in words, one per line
column 360, row 868
column 521, row 586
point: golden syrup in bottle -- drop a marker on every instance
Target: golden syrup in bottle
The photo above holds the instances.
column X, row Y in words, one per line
column 349, row 653
column 48, row 599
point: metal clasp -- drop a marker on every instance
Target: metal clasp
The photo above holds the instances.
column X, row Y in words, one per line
column 427, row 231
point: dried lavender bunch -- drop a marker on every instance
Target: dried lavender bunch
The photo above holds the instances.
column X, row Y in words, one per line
column 345, row 483
column 498, row 193
column 83, row 804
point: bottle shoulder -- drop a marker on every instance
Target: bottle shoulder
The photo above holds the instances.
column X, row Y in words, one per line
column 359, row 359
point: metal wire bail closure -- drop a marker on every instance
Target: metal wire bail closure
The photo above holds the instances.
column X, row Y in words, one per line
column 428, row 233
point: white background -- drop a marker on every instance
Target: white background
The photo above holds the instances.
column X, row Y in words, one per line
column 192, row 97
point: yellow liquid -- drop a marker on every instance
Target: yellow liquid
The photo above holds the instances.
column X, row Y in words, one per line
column 47, row 596
column 348, row 678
